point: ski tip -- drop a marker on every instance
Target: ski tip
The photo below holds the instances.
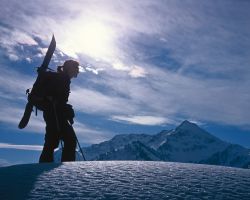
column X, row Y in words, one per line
column 23, row 123
column 53, row 38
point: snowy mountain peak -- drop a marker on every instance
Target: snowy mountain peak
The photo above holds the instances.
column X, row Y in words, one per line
column 193, row 130
column 187, row 143
column 188, row 125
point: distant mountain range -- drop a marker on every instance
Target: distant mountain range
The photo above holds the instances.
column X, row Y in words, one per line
column 187, row 143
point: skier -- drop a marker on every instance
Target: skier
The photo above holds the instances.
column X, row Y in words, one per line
column 57, row 114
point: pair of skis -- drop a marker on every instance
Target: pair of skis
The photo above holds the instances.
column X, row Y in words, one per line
column 43, row 68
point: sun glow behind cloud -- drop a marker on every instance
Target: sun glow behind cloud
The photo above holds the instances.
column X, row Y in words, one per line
column 90, row 37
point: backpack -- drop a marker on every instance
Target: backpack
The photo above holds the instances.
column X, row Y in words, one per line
column 39, row 96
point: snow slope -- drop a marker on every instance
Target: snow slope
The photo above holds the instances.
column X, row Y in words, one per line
column 123, row 180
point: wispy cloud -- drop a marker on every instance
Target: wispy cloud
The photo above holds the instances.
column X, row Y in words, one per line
column 11, row 38
column 10, row 116
column 21, row 147
column 168, row 94
column 90, row 135
column 142, row 120
column 13, row 84
column 93, row 101
column 137, row 72
column 95, row 71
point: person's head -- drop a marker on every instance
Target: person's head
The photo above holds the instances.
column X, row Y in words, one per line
column 71, row 67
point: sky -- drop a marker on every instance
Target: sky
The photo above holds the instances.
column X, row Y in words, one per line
column 147, row 66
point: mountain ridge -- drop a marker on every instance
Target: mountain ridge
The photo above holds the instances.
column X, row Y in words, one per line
column 186, row 143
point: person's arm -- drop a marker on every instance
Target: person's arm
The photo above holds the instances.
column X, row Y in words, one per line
column 65, row 94
column 64, row 89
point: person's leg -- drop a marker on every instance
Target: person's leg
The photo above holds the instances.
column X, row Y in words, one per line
column 50, row 144
column 51, row 139
column 47, row 154
column 69, row 139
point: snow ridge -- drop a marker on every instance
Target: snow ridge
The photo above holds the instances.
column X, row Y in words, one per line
column 123, row 180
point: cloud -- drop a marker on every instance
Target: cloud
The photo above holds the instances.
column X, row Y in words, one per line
column 21, row 147
column 137, row 72
column 133, row 70
column 21, row 37
column 11, row 38
column 142, row 120
column 93, row 101
column 13, row 57
column 91, row 135
column 199, row 34
column 93, row 70
column 13, row 99
column 169, row 94
column 196, row 35
column 10, row 117
column 118, row 65
column 29, row 59
column 171, row 59
column 14, row 83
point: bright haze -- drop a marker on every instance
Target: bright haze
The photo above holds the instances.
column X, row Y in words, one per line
column 147, row 66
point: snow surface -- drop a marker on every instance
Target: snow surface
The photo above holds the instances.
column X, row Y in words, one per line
column 123, row 180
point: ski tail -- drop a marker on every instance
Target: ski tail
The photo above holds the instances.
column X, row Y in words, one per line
column 26, row 116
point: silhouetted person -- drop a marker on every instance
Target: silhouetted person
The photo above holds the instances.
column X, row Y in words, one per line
column 57, row 114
